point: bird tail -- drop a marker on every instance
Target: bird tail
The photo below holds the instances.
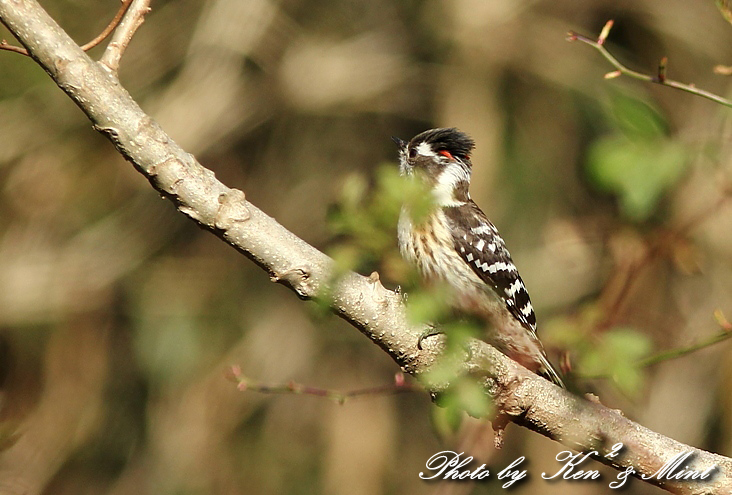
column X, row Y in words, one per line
column 547, row 371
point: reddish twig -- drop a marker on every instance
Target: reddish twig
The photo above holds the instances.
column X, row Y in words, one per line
column 12, row 48
column 110, row 27
column 4, row 45
column 246, row 384
column 654, row 251
column 659, row 78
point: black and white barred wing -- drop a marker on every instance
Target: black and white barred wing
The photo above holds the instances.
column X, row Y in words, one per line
column 479, row 244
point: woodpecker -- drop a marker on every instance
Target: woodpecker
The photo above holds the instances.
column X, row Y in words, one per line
column 457, row 245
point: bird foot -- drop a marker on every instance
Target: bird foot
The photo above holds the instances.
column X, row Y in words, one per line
column 431, row 331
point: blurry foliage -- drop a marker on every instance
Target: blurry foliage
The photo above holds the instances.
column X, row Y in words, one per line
column 365, row 222
column 614, row 354
column 725, row 7
column 465, row 395
column 638, row 161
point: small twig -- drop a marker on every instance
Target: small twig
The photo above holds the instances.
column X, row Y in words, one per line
column 4, row 45
column 667, row 355
column 123, row 35
column 110, row 27
column 246, row 384
column 660, row 78
column 654, row 250
column 683, row 351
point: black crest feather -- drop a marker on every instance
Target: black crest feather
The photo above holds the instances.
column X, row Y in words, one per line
column 449, row 139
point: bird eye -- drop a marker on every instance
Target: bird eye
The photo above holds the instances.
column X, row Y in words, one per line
column 412, row 152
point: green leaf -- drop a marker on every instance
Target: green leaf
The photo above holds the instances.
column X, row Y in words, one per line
column 427, row 306
column 346, row 257
column 444, row 372
column 616, row 355
column 397, row 191
column 368, row 222
column 446, row 419
column 471, row 397
column 465, row 394
column 626, row 343
column 628, row 379
column 639, row 172
column 636, row 118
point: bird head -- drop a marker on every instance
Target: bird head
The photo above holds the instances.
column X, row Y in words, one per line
column 440, row 157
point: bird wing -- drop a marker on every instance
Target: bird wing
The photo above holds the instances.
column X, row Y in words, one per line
column 479, row 244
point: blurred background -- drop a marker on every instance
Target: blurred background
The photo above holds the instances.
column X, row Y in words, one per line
column 119, row 317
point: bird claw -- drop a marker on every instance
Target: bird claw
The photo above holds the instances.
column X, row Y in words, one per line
column 430, row 332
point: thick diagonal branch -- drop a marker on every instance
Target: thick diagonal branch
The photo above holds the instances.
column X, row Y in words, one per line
column 378, row 313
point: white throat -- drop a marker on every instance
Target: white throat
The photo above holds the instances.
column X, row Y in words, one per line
column 444, row 191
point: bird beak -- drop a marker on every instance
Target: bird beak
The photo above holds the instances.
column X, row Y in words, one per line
column 399, row 142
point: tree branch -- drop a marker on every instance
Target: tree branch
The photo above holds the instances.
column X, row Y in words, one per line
column 659, row 78
column 123, row 35
column 377, row 312
column 87, row 46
